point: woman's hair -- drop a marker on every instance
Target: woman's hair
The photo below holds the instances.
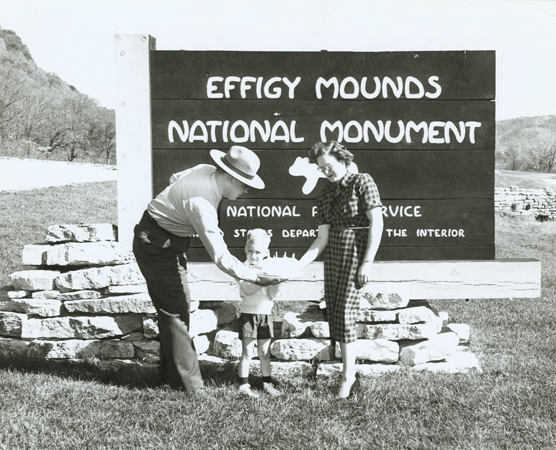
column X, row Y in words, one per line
column 331, row 148
column 258, row 235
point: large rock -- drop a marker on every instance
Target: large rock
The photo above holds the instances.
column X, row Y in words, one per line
column 381, row 296
column 292, row 327
column 17, row 294
column 320, row 330
column 34, row 280
column 139, row 304
column 98, row 253
column 81, row 233
column 372, row 370
column 150, row 328
column 375, row 315
column 149, row 351
column 436, row 348
column 13, row 348
column 301, row 349
column 129, row 289
column 133, row 336
column 333, row 369
column 69, row 349
column 201, row 343
column 227, row 344
column 377, row 350
column 417, row 314
column 80, row 327
column 214, row 363
column 34, row 255
column 43, row 308
column 461, row 361
column 101, row 277
column 295, row 325
column 45, row 295
column 225, row 312
column 202, row 321
column 79, row 295
column 284, row 370
column 398, row 332
column 11, row 306
column 11, row 324
column 116, row 350
column 462, row 330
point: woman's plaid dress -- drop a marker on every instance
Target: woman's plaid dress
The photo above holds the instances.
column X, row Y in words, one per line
column 343, row 205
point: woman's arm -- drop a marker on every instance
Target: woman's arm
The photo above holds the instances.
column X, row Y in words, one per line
column 373, row 242
column 317, row 247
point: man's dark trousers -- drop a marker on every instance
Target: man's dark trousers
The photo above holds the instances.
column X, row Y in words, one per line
column 160, row 265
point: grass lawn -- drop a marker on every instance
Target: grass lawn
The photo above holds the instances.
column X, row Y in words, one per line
column 91, row 405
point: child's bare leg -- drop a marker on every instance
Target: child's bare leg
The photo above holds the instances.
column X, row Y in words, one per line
column 248, row 347
column 263, row 348
column 247, row 351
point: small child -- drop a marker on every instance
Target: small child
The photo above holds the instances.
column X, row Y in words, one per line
column 254, row 320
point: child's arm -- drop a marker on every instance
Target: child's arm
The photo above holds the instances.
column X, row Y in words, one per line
column 249, row 288
column 274, row 290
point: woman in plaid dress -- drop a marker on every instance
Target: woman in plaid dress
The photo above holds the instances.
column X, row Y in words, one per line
column 350, row 229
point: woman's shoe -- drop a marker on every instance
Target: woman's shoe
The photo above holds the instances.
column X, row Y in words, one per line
column 348, row 388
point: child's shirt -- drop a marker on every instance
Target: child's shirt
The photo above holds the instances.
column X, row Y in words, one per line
column 257, row 299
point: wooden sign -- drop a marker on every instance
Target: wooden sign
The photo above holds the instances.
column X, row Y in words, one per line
column 422, row 124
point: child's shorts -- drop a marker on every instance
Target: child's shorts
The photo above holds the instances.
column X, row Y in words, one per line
column 255, row 326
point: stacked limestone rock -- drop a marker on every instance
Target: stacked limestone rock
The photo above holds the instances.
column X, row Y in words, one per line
column 526, row 201
column 393, row 332
column 84, row 297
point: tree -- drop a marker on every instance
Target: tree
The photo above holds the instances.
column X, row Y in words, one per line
column 543, row 152
column 68, row 125
column 37, row 105
column 11, row 98
column 79, row 122
column 106, row 137
column 512, row 159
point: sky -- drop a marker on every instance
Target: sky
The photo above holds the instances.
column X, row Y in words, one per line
column 75, row 39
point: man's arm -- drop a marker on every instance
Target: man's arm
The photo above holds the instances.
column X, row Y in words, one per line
column 204, row 220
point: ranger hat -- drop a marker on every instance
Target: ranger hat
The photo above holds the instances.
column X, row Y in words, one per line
column 241, row 163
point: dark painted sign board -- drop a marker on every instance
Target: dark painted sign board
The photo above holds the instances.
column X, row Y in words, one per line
column 422, row 124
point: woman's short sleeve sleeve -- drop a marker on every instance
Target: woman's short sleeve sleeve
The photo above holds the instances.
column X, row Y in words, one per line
column 368, row 192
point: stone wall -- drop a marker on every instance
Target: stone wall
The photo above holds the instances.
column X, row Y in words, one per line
column 540, row 203
column 81, row 295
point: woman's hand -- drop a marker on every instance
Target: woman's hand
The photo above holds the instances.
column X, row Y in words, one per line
column 365, row 272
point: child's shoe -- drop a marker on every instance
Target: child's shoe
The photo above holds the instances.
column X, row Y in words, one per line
column 270, row 389
column 245, row 389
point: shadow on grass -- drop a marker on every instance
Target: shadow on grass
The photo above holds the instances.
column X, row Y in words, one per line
column 131, row 375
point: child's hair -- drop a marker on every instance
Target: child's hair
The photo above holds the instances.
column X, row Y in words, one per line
column 258, row 235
